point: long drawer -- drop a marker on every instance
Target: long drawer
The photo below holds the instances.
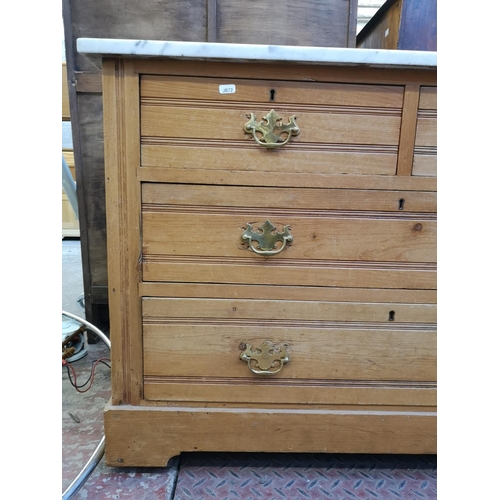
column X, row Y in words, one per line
column 190, row 342
column 339, row 237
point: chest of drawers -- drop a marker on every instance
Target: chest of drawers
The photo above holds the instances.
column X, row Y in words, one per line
column 271, row 236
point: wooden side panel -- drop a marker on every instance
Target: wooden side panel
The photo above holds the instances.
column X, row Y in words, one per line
column 382, row 31
column 293, row 23
column 149, row 437
column 121, row 126
column 403, row 25
column 92, row 197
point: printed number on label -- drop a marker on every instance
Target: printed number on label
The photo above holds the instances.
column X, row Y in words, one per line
column 227, row 89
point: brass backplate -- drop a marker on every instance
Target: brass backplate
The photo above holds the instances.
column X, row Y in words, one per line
column 270, row 130
column 267, row 359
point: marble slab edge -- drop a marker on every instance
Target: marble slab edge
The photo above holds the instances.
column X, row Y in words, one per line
column 94, row 49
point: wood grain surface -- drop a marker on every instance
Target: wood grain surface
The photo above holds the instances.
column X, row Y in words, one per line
column 289, row 393
column 356, row 201
column 227, row 124
column 352, row 299
column 121, row 127
column 316, row 237
column 319, row 294
column 285, row 92
column 130, row 440
column 331, row 23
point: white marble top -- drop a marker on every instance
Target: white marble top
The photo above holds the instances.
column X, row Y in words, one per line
column 95, row 48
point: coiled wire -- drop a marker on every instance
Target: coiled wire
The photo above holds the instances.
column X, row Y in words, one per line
column 89, row 467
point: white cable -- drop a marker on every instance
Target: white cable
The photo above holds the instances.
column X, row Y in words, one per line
column 88, row 468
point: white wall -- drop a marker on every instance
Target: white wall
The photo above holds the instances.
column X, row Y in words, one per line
column 366, row 10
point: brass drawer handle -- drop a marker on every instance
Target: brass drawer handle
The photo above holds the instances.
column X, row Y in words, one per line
column 272, row 128
column 266, row 238
column 268, row 359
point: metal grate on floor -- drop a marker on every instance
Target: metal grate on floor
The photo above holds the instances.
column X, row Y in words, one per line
column 250, row 476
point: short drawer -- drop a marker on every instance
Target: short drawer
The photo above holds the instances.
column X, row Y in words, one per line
column 344, row 128
column 425, row 154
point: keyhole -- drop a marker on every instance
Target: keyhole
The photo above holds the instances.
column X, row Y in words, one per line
column 391, row 315
column 401, row 204
column 272, row 92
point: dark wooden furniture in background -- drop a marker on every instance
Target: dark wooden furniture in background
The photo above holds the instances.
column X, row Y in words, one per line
column 329, row 23
column 403, row 25
column 70, row 226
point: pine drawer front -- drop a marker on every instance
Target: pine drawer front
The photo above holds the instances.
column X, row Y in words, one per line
column 425, row 158
column 344, row 129
column 190, row 342
column 340, row 237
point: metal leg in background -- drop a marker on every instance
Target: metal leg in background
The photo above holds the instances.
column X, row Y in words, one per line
column 69, row 186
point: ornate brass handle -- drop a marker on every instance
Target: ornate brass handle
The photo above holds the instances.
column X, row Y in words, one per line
column 272, row 128
column 266, row 238
column 268, row 359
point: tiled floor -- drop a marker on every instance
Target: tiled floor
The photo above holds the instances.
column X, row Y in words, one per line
column 242, row 476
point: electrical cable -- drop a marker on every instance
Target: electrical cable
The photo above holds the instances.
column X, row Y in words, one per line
column 91, row 376
column 88, row 468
